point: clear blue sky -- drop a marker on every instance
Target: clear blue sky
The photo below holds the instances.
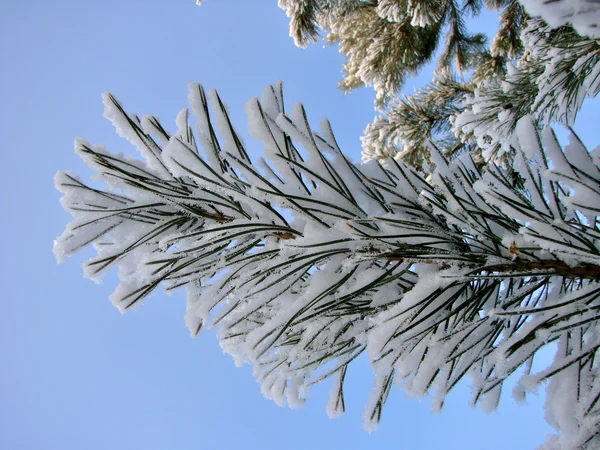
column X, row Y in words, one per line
column 78, row 375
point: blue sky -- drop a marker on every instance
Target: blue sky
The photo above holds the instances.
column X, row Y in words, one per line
column 76, row 374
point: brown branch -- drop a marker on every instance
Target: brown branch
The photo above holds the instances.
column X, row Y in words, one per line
column 283, row 235
column 554, row 267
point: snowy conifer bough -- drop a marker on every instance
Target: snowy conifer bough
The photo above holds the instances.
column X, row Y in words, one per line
column 543, row 60
column 303, row 260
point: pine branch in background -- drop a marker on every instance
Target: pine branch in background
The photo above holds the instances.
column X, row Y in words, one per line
column 309, row 17
column 507, row 42
column 304, row 20
column 583, row 15
column 304, row 261
column 410, row 125
column 558, row 71
column 388, row 40
column 552, row 68
column 380, row 53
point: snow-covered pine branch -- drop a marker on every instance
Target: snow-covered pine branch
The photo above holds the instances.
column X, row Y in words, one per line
column 558, row 71
column 542, row 61
column 409, row 125
column 583, row 15
column 387, row 41
column 303, row 260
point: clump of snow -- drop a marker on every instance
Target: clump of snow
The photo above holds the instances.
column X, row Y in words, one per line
column 583, row 15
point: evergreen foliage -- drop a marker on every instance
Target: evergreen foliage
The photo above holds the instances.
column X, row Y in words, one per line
column 387, row 40
column 559, row 70
column 545, row 53
column 306, row 260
